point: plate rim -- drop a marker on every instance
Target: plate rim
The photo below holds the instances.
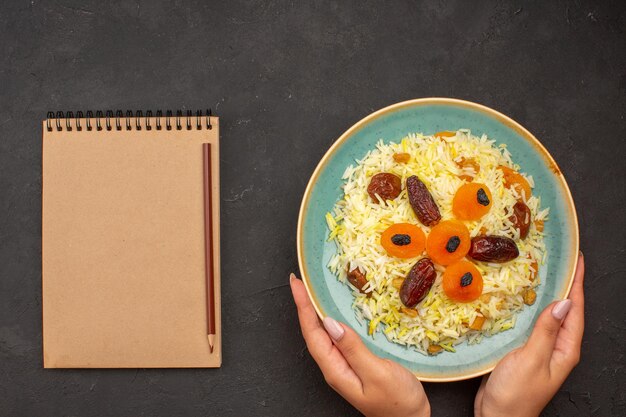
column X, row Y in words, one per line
column 522, row 131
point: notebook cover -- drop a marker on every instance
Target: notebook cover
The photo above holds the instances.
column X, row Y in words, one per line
column 123, row 277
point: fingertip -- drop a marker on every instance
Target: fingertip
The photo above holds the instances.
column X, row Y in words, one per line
column 349, row 329
column 351, row 337
column 560, row 309
column 547, row 317
column 296, row 288
column 335, row 329
column 295, row 282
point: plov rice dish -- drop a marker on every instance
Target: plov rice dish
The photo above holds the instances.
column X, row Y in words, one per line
column 440, row 238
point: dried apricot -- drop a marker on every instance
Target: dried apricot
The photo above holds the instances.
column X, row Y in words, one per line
column 403, row 240
column 471, row 201
column 462, row 282
column 515, row 180
column 448, row 242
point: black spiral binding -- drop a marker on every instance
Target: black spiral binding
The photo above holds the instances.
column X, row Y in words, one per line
column 55, row 120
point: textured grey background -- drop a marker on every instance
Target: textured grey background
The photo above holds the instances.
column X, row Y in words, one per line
column 287, row 79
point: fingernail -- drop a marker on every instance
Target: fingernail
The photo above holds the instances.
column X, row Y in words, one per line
column 560, row 310
column 580, row 253
column 333, row 328
column 291, row 277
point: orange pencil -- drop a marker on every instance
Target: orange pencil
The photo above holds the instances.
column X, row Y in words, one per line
column 208, row 244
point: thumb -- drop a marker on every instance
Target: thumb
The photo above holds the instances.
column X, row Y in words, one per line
column 350, row 345
column 478, row 401
column 541, row 342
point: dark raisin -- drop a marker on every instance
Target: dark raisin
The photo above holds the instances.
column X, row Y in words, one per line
column 482, row 198
column 401, row 240
column 453, row 244
column 466, row 279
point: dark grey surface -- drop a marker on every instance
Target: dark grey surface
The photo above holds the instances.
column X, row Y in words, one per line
column 287, row 79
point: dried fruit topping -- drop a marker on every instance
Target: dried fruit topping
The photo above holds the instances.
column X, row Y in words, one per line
column 441, row 243
column 471, row 201
column 453, row 244
column 534, row 270
column 401, row 158
column 515, row 180
column 529, row 296
column 422, row 202
column 411, row 312
column 444, row 134
column 397, row 283
column 403, row 240
column 539, row 225
column 418, row 282
column 482, row 197
column 493, row 249
column 466, row 279
column 358, row 279
column 521, row 218
column 478, row 322
column 387, row 186
column 470, row 168
column 434, row 349
column 462, row 282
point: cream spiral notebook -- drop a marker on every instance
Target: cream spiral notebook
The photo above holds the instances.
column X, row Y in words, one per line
column 123, row 245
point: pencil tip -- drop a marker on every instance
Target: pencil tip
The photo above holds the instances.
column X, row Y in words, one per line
column 211, row 337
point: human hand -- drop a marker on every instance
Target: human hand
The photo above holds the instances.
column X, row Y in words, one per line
column 526, row 379
column 375, row 386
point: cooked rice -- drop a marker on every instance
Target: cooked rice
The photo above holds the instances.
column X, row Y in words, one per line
column 356, row 224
